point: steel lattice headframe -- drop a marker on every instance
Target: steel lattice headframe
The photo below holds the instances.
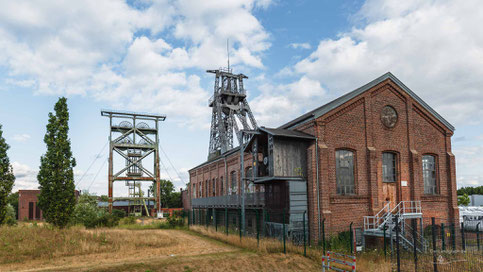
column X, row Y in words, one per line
column 229, row 107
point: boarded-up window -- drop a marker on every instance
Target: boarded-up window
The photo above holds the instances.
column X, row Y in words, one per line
column 345, row 172
column 31, row 210
column 389, row 170
column 429, row 174
column 37, row 211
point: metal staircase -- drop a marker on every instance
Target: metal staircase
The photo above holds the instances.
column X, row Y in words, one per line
column 384, row 223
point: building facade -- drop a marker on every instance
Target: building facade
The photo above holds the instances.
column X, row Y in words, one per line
column 27, row 205
column 369, row 150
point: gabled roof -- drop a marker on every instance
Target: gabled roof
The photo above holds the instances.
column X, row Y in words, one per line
column 341, row 100
column 286, row 133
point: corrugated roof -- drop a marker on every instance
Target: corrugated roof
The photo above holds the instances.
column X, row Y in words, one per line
column 341, row 100
column 286, row 133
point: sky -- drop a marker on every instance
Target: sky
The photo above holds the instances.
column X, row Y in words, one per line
column 152, row 56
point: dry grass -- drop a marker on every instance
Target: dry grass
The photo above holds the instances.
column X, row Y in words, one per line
column 367, row 261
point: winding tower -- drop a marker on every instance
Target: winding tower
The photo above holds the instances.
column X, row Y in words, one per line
column 134, row 138
column 230, row 108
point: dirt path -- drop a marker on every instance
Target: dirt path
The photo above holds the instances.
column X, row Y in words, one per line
column 182, row 252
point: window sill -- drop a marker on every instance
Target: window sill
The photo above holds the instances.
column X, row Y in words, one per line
column 348, row 199
column 433, row 198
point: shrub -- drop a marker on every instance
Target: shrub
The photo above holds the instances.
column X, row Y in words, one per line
column 130, row 220
column 175, row 221
column 89, row 215
column 119, row 213
column 10, row 216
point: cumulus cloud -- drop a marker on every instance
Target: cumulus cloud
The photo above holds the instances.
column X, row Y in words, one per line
column 119, row 53
column 21, row 137
column 435, row 47
column 300, row 45
column 25, row 177
column 279, row 103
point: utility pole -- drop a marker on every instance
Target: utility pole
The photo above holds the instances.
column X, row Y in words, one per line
column 242, row 181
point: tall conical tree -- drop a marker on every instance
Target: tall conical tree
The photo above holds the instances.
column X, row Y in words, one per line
column 56, row 175
column 6, row 177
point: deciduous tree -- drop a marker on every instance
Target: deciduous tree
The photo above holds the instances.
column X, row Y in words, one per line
column 6, row 177
column 56, row 175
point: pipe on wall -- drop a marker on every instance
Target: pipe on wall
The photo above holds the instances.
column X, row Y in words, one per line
column 317, row 183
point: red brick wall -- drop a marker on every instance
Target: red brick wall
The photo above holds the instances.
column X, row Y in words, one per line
column 24, row 197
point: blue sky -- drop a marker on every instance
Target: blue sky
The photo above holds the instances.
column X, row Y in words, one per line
column 151, row 56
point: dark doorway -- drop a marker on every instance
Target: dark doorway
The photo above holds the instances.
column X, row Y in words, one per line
column 37, row 211
column 31, row 210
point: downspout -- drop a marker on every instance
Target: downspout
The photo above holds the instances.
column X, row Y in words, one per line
column 317, row 182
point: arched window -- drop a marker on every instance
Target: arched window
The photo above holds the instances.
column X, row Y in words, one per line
column 221, row 186
column 250, row 186
column 389, row 169
column 429, row 174
column 344, row 172
column 234, row 184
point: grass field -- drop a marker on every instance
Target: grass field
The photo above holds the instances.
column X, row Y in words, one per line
column 41, row 248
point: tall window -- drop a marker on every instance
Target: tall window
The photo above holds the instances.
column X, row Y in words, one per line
column 201, row 189
column 250, row 187
column 389, row 170
column 429, row 174
column 234, row 184
column 213, row 189
column 344, row 172
column 221, row 186
column 193, row 191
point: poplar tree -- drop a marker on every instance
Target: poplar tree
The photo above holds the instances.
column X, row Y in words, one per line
column 56, row 175
column 6, row 177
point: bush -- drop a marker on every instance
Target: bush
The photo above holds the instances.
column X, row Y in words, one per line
column 89, row 215
column 10, row 217
column 175, row 221
column 130, row 220
column 119, row 213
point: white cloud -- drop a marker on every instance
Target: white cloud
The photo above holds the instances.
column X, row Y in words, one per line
column 300, row 45
column 120, row 54
column 435, row 47
column 21, row 137
column 280, row 103
column 25, row 177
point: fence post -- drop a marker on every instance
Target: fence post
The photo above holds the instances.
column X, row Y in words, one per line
column 258, row 228
column 323, row 235
column 264, row 216
column 478, row 235
column 351, row 238
column 443, row 241
column 189, row 219
column 385, row 246
column 463, row 244
column 305, row 241
column 453, row 236
column 215, row 218
column 397, row 243
column 415, row 251
column 433, row 234
column 207, row 217
column 240, row 223
column 283, row 232
column 226, row 221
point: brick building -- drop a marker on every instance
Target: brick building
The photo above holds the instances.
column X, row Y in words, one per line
column 27, row 205
column 376, row 149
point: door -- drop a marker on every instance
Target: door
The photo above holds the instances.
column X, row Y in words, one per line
column 389, row 178
column 31, row 210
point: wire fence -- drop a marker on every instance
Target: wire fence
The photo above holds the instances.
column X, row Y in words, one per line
column 290, row 229
column 422, row 244
column 440, row 245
